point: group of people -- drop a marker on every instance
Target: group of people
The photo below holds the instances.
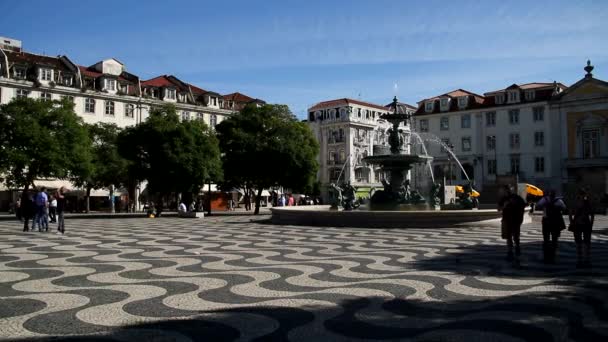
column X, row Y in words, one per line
column 42, row 209
column 581, row 219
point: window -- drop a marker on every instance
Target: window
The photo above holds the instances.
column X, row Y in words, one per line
column 499, row 99
column 444, row 104
column 109, row 107
column 185, row 116
column 491, row 166
column 539, row 138
column 466, row 144
column 213, row 120
column 67, row 80
column 428, row 106
column 331, row 156
column 46, row 74
column 514, row 116
column 110, row 84
column 462, row 101
column 514, row 96
column 538, row 113
column 514, row 165
column 539, row 164
column 530, row 95
column 361, row 175
column 20, row 73
column 359, row 113
column 490, row 119
column 44, row 96
column 514, row 140
column 342, row 156
column 124, row 88
column 424, row 125
column 129, row 110
column 491, row 142
column 171, row 94
column 22, row 93
column 591, row 148
column 200, row 116
column 445, row 144
column 89, row 105
column 215, row 101
column 444, row 124
column 465, row 121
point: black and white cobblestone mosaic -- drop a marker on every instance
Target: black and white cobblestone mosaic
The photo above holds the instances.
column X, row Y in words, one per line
column 229, row 279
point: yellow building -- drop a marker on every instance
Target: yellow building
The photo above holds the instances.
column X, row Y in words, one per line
column 583, row 112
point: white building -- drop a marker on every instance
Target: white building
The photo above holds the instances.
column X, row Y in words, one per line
column 105, row 91
column 347, row 131
column 507, row 132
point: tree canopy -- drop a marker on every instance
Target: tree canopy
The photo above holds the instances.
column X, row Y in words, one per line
column 108, row 167
column 172, row 156
column 267, row 146
column 42, row 139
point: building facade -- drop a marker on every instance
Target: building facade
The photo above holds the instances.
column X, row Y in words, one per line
column 347, row 131
column 105, row 91
column 583, row 111
column 508, row 132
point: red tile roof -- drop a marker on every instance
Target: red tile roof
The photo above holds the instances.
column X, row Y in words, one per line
column 345, row 101
column 160, row 81
column 455, row 93
column 30, row 58
column 525, row 86
column 197, row 90
column 238, row 97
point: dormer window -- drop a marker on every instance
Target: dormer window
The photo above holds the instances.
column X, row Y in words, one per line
column 214, row 99
column 67, row 80
column 499, row 98
column 428, row 106
column 110, row 84
column 529, row 95
column 124, row 88
column 170, row 93
column 463, row 101
column 46, row 74
column 444, row 103
column 19, row 73
column 514, row 96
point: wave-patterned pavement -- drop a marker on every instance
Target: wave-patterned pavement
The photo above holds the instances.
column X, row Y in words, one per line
column 231, row 278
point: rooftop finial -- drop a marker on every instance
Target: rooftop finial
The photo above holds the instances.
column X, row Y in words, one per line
column 589, row 69
column 395, row 103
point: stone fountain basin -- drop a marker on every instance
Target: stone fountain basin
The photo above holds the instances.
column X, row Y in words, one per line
column 396, row 161
column 321, row 215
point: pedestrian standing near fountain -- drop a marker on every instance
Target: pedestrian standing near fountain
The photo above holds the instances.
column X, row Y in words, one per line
column 581, row 224
column 553, row 223
column 513, row 208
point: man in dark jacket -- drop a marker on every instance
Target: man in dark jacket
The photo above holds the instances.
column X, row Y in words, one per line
column 512, row 207
column 553, row 223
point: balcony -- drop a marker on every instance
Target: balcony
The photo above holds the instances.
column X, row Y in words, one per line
column 576, row 163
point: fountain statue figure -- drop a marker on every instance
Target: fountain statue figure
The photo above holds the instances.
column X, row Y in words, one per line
column 397, row 194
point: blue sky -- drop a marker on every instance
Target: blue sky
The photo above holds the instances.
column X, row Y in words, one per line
column 303, row 52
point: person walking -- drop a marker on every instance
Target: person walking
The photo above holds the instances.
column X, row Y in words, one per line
column 61, row 204
column 41, row 201
column 552, row 224
column 581, row 224
column 28, row 210
column 53, row 209
column 512, row 207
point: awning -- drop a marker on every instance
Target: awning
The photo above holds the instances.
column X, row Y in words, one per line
column 265, row 193
column 534, row 190
column 460, row 189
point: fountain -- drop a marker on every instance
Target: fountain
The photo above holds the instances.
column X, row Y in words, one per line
column 395, row 206
column 397, row 194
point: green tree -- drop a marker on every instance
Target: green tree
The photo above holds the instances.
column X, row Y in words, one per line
column 109, row 169
column 42, row 139
column 267, row 146
column 172, row 156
